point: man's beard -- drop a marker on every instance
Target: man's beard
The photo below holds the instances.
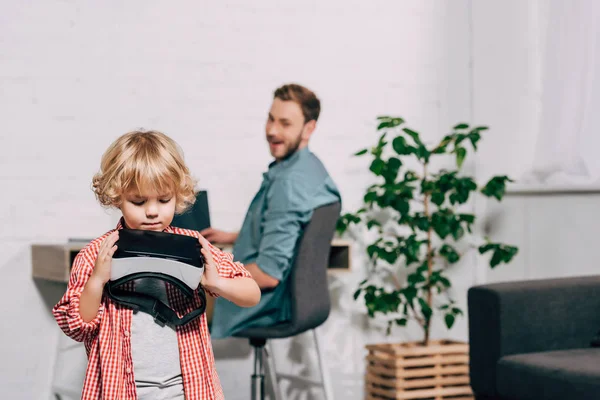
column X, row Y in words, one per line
column 293, row 147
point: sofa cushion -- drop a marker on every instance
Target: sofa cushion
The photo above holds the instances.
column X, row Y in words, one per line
column 552, row 375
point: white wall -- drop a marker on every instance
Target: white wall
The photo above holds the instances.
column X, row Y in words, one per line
column 556, row 230
column 74, row 76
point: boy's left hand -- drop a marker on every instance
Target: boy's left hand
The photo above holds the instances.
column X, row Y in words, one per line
column 211, row 277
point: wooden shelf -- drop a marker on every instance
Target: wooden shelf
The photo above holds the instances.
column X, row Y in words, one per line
column 53, row 261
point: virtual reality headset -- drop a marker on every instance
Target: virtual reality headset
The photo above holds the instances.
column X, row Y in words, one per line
column 170, row 258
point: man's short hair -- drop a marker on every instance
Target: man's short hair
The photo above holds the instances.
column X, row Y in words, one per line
column 306, row 99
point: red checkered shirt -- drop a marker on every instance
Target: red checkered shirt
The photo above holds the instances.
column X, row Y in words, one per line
column 107, row 338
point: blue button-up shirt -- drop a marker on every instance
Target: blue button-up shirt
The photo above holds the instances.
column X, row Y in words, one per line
column 274, row 223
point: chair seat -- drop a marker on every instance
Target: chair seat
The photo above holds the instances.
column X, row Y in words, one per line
column 552, row 375
column 272, row 332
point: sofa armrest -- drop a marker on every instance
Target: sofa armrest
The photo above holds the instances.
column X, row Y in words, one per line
column 526, row 317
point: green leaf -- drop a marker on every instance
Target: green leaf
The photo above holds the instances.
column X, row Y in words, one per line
column 370, row 197
column 341, row 226
column 487, row 247
column 425, row 309
column 438, row 198
column 410, row 293
column 479, row 129
column 401, row 321
column 415, row 278
column 474, row 138
column 445, row 281
column 401, row 205
column 345, row 221
column 401, row 147
column 449, row 253
column 462, row 188
column 361, row 152
column 496, row 187
column 414, row 135
column 496, row 258
column 372, row 250
column 410, row 176
column 459, row 138
column 427, row 186
column 421, row 222
column 371, row 223
column 449, row 319
column 441, row 148
column 394, row 164
column 440, row 221
column 383, row 125
column 389, row 122
column 501, row 253
column 457, row 231
column 377, row 166
column 386, row 199
column 468, row 218
column 357, row 293
column 377, row 151
column 411, row 249
column 390, row 170
column 461, row 153
column 423, row 153
column 461, row 126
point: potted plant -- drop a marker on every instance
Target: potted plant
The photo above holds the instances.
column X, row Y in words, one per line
column 416, row 215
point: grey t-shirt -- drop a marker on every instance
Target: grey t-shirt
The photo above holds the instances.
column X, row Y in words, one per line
column 155, row 351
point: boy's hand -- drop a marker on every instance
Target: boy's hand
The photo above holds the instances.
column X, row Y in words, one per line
column 103, row 264
column 211, row 278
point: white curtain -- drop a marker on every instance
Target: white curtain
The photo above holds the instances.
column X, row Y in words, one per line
column 567, row 149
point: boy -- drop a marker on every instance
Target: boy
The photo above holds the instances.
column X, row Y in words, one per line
column 129, row 355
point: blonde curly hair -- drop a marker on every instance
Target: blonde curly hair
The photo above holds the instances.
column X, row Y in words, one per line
column 143, row 160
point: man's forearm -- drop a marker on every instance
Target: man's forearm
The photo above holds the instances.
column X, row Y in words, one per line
column 230, row 238
column 263, row 280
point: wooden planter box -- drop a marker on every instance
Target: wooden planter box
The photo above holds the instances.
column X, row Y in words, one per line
column 409, row 371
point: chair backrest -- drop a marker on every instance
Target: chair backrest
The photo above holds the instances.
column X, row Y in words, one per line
column 308, row 281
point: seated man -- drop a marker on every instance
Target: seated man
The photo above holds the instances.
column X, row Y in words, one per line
column 295, row 184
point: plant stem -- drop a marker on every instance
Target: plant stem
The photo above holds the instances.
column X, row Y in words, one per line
column 416, row 316
column 427, row 324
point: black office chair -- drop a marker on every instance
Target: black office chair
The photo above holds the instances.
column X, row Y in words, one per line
column 310, row 300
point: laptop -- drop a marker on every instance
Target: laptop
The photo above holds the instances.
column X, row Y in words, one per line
column 197, row 217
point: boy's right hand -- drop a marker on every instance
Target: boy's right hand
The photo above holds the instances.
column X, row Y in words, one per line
column 104, row 260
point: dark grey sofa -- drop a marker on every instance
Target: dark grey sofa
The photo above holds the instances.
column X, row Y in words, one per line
column 530, row 340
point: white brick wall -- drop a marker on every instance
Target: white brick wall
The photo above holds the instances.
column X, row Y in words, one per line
column 75, row 75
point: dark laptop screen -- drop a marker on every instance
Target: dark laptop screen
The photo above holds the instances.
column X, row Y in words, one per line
column 197, row 217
